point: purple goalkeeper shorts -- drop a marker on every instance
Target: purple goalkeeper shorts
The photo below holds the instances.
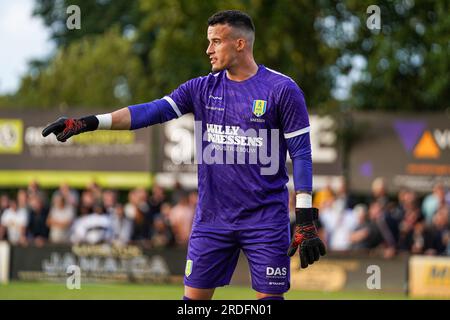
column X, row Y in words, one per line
column 213, row 254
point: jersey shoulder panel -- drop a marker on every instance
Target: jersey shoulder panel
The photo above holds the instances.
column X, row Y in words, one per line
column 278, row 79
column 202, row 82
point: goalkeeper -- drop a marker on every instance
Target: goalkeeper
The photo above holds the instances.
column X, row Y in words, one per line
column 239, row 207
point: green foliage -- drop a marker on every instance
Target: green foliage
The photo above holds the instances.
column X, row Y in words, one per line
column 92, row 72
column 407, row 60
column 97, row 17
column 131, row 51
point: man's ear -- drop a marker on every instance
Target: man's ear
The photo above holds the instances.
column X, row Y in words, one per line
column 240, row 44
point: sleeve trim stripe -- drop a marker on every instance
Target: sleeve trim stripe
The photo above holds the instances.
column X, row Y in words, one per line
column 174, row 105
column 297, row 133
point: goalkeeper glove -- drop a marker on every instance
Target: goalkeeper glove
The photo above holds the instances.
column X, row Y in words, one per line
column 305, row 236
column 64, row 128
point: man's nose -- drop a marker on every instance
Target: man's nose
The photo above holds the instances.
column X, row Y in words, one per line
column 209, row 49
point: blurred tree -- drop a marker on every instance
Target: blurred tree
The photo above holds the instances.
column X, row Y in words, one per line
column 169, row 37
column 92, row 72
column 285, row 40
column 405, row 65
column 324, row 45
column 97, row 17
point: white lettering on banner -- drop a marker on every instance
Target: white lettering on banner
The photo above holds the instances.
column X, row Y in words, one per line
column 323, row 139
column 442, row 138
column 180, row 148
column 33, row 137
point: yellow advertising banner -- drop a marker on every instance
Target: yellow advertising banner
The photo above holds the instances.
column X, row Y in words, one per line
column 429, row 276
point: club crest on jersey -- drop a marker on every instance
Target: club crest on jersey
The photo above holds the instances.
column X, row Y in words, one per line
column 188, row 269
column 259, row 107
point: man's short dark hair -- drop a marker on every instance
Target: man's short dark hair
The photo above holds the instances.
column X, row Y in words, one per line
column 234, row 18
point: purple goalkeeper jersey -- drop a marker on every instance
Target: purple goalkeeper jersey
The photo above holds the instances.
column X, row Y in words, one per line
column 242, row 128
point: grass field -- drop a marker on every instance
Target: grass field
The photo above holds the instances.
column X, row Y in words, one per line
column 40, row 290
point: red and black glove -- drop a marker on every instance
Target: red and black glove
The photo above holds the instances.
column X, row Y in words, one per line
column 305, row 236
column 64, row 128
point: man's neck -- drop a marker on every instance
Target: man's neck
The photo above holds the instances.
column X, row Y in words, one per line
column 243, row 71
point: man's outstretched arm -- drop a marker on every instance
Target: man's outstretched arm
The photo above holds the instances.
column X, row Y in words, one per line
column 121, row 119
column 128, row 118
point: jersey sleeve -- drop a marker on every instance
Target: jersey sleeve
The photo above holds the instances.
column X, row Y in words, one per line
column 292, row 110
column 295, row 126
column 182, row 98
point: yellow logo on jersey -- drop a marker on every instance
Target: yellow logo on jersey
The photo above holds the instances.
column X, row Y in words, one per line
column 259, row 107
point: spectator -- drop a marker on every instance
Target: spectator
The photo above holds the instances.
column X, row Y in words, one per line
column 138, row 210
column 166, row 209
column 361, row 230
column 157, row 199
column 109, row 200
column 60, row 219
column 37, row 229
column 343, row 198
column 338, row 223
column 407, row 200
column 368, row 234
column 382, row 220
column 162, row 235
column 122, row 227
column 144, row 207
column 70, row 196
column 34, row 189
column 439, row 231
column 131, row 206
column 379, row 191
column 193, row 199
column 87, row 203
column 433, row 201
column 94, row 228
column 4, row 203
column 412, row 230
column 13, row 224
column 22, row 199
column 323, row 197
column 95, row 190
column 181, row 217
column 178, row 192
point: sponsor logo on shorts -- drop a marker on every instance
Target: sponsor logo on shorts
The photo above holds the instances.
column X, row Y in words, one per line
column 276, row 283
column 276, row 272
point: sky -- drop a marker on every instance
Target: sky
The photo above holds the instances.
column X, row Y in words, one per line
column 22, row 38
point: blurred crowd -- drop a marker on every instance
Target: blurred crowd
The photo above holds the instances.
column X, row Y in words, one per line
column 93, row 216
column 407, row 222
column 418, row 224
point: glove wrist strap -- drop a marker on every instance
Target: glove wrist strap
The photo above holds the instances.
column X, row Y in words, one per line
column 306, row 215
column 90, row 123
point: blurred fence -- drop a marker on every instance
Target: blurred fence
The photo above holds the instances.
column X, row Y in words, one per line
column 419, row 276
